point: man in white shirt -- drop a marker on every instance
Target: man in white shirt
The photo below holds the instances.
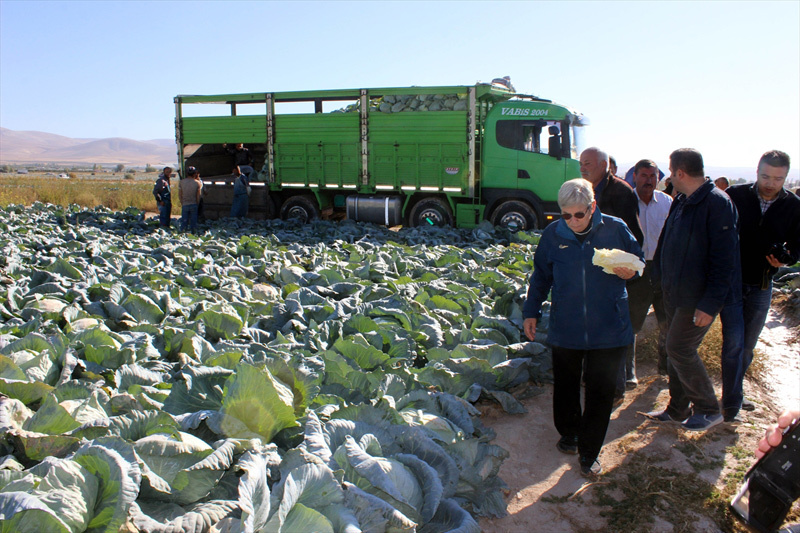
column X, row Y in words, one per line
column 654, row 208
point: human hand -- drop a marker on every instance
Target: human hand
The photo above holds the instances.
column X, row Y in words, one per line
column 701, row 319
column 774, row 262
column 774, row 434
column 624, row 273
column 530, row 328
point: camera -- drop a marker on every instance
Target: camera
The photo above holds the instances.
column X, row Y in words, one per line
column 780, row 252
column 771, row 485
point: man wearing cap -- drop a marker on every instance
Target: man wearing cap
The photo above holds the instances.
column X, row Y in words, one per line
column 189, row 190
column 163, row 195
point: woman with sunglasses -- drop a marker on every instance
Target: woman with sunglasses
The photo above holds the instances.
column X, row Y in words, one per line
column 588, row 317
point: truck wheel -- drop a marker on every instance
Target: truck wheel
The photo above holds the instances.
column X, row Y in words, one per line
column 301, row 207
column 431, row 212
column 516, row 216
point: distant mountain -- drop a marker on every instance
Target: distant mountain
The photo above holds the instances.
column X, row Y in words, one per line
column 41, row 147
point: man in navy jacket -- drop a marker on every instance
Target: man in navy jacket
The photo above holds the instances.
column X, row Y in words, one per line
column 696, row 264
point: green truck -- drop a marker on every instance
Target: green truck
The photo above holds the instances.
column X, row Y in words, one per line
column 442, row 156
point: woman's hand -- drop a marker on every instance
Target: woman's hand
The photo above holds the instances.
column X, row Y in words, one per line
column 530, row 328
column 774, row 434
column 624, row 273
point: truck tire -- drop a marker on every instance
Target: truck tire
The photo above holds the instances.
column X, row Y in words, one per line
column 431, row 212
column 302, row 207
column 516, row 216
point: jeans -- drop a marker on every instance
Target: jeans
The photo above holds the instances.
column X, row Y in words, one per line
column 189, row 217
column 164, row 212
column 689, row 384
column 247, row 170
column 641, row 295
column 756, row 302
column 732, row 319
column 240, row 205
column 590, row 423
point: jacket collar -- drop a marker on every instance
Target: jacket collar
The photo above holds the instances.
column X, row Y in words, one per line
column 603, row 183
column 562, row 230
column 701, row 192
column 781, row 194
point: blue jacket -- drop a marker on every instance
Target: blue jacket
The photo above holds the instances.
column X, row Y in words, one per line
column 589, row 308
column 697, row 259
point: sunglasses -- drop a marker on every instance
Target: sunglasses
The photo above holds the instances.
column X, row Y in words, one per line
column 567, row 216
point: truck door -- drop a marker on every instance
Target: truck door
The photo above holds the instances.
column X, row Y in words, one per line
column 537, row 170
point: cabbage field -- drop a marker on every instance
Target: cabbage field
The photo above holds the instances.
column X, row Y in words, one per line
column 258, row 377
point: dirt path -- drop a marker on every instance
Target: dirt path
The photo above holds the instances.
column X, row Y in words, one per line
column 547, row 494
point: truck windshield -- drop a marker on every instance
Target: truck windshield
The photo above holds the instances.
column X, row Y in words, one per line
column 578, row 140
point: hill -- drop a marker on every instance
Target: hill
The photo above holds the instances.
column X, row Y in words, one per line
column 42, row 147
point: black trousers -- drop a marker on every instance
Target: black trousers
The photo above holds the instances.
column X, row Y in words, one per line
column 589, row 423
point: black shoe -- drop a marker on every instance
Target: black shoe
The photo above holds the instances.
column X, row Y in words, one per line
column 568, row 445
column 747, row 405
column 660, row 416
column 732, row 418
column 591, row 470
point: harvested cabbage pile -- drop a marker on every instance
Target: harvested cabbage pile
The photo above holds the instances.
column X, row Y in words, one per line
column 261, row 376
column 408, row 102
column 609, row 259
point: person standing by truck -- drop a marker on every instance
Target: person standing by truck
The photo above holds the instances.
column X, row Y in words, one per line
column 189, row 190
column 163, row 194
column 242, row 158
column 241, row 194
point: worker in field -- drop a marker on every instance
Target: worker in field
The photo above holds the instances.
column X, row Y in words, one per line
column 653, row 210
column 189, row 190
column 589, row 326
column 697, row 266
column 614, row 197
column 241, row 194
column 163, row 193
column 769, row 234
column 242, row 158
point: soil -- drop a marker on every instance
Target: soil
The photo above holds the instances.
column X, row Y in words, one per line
column 546, row 493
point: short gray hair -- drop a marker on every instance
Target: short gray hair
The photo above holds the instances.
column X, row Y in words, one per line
column 577, row 192
column 601, row 155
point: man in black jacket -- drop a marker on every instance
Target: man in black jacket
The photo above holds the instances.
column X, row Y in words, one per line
column 616, row 198
column 769, row 218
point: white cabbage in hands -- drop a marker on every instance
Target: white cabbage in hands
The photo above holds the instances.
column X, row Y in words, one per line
column 609, row 259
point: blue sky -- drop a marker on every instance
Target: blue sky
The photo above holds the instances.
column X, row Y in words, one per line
column 723, row 77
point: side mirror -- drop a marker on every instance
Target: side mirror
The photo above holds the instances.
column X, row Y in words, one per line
column 554, row 146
